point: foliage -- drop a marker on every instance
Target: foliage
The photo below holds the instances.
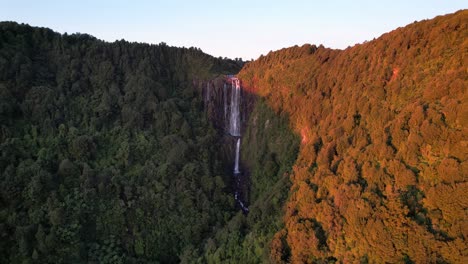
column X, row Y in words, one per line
column 381, row 172
column 105, row 150
column 107, row 156
column 269, row 150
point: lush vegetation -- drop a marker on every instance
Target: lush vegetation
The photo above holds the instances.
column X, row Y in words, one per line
column 106, row 153
column 269, row 150
column 381, row 172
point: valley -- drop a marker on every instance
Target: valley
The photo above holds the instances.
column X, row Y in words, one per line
column 125, row 152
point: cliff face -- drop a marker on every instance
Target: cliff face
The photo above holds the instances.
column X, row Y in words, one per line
column 381, row 173
column 217, row 101
column 217, row 96
column 268, row 149
column 228, row 106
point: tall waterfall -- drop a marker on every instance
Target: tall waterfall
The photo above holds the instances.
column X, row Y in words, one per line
column 235, row 131
column 232, row 125
column 234, row 120
column 236, row 163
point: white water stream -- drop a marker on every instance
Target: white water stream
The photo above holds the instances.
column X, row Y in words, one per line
column 232, row 118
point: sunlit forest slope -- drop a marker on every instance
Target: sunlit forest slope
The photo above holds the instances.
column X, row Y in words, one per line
column 382, row 171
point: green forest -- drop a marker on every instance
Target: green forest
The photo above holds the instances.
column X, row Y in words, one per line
column 106, row 154
column 115, row 152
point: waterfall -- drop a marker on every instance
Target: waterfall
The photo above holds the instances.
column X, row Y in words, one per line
column 236, row 163
column 232, row 125
column 234, row 130
column 234, row 121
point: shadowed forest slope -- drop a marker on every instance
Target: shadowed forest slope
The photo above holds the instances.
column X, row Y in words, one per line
column 382, row 169
column 106, row 152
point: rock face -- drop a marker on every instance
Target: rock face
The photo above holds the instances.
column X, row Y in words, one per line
column 218, row 97
column 227, row 105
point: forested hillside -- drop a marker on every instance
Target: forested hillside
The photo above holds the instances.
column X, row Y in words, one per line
column 381, row 175
column 269, row 149
column 106, row 153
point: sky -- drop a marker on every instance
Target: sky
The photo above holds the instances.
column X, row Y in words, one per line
column 235, row 29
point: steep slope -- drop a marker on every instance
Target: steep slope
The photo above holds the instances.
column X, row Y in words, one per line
column 269, row 148
column 106, row 153
column 382, row 169
column 260, row 184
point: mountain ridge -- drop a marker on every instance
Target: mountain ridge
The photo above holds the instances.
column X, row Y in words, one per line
column 108, row 154
column 379, row 122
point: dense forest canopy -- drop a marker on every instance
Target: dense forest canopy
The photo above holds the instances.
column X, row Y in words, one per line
column 108, row 153
column 381, row 175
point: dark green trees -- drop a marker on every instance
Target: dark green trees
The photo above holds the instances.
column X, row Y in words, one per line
column 106, row 155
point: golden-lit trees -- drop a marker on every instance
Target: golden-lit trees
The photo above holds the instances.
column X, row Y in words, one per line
column 381, row 173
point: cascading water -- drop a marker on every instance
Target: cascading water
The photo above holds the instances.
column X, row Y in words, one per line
column 234, row 130
column 236, row 163
column 234, row 121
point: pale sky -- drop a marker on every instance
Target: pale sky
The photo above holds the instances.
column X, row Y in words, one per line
column 231, row 29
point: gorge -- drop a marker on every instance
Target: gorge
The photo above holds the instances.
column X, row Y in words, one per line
column 231, row 88
column 135, row 153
